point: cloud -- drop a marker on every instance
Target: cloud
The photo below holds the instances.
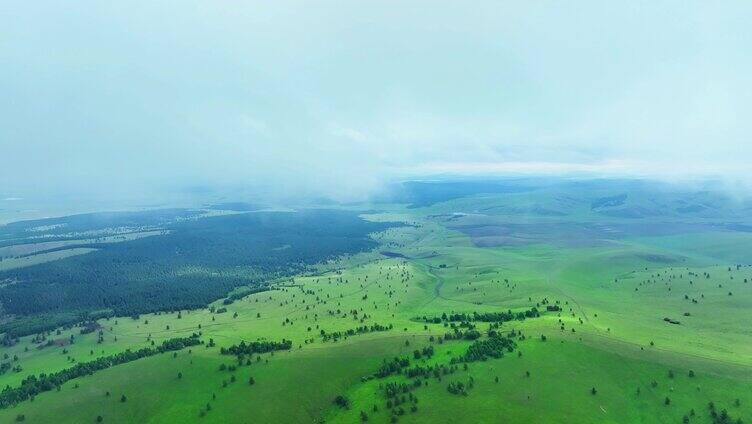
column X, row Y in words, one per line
column 255, row 125
column 331, row 99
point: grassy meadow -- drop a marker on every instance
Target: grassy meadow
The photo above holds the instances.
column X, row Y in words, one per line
column 646, row 328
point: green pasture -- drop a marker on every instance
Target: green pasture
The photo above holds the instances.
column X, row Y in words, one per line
column 611, row 335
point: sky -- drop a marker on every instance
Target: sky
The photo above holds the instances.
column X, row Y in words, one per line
column 337, row 99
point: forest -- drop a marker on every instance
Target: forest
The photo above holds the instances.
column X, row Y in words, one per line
column 197, row 261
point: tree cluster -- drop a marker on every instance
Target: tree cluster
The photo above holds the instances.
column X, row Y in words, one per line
column 33, row 385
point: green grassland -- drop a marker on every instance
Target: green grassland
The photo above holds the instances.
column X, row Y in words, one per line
column 608, row 355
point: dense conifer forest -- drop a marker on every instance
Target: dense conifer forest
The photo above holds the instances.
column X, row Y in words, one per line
column 195, row 262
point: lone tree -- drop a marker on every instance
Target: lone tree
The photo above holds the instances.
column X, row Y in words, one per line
column 341, row 401
column 593, row 391
column 123, row 398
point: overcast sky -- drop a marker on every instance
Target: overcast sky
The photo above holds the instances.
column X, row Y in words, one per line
column 336, row 98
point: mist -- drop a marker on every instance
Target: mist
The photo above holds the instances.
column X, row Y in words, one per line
column 339, row 99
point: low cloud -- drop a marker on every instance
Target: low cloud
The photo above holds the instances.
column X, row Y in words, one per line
column 333, row 100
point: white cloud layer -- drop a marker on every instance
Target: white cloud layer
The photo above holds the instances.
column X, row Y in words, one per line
column 337, row 98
